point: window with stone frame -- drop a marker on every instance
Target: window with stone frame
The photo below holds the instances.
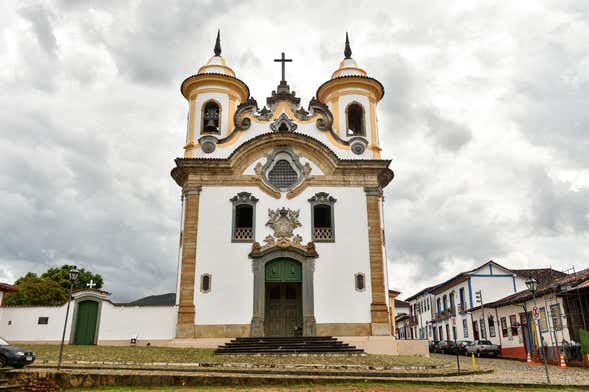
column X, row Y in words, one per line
column 543, row 321
column 322, row 217
column 504, row 329
column 205, row 283
column 483, row 329
column 360, row 281
column 491, row 321
column 512, row 322
column 244, row 208
column 211, row 115
column 556, row 316
column 465, row 327
column 355, row 120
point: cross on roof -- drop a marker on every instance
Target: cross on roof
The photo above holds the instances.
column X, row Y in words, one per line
column 283, row 60
column 91, row 284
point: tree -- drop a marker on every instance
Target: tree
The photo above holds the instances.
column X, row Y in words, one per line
column 62, row 277
column 36, row 291
column 51, row 288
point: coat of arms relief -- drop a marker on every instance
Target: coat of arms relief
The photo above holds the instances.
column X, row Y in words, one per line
column 283, row 221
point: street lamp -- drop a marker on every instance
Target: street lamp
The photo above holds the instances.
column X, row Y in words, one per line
column 532, row 284
column 73, row 275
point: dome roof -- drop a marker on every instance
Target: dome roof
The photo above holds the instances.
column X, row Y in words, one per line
column 348, row 66
column 216, row 65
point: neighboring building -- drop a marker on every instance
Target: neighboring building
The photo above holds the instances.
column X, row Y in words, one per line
column 93, row 319
column 403, row 328
column 401, row 307
column 505, row 322
column 6, row 288
column 421, row 314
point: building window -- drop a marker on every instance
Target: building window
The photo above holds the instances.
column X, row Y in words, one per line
column 283, row 170
column 360, row 281
column 491, row 321
column 440, row 332
column 43, row 321
column 244, row 206
column 438, row 305
column 445, row 301
column 210, row 117
column 205, row 283
column 504, row 330
column 355, row 120
column 475, row 329
column 483, row 329
column 322, row 217
column 556, row 317
column 512, row 321
column 543, row 322
column 465, row 327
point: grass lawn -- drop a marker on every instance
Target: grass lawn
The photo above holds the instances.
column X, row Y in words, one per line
column 360, row 386
column 149, row 354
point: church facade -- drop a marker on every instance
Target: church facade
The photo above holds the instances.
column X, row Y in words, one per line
column 282, row 208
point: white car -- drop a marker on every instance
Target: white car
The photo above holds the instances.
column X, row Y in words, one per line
column 483, row 347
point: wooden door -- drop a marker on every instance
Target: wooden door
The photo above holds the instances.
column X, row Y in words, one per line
column 86, row 319
column 283, row 309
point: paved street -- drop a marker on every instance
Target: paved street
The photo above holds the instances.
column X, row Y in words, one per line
column 509, row 371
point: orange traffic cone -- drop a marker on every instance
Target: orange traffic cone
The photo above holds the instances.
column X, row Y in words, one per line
column 563, row 364
column 529, row 360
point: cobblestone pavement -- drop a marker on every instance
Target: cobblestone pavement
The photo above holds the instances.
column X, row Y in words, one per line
column 510, row 371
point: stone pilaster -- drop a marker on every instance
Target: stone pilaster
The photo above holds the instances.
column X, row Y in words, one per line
column 185, row 326
column 378, row 308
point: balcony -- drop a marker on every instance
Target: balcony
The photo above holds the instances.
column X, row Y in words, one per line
column 462, row 308
column 323, row 234
column 243, row 234
column 413, row 321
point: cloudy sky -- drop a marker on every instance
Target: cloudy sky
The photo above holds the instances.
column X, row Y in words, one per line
column 486, row 118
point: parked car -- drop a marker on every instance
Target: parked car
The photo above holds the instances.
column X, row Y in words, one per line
column 446, row 346
column 432, row 346
column 14, row 356
column 482, row 347
column 460, row 347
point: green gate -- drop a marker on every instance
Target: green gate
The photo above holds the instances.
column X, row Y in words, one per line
column 283, row 270
column 87, row 316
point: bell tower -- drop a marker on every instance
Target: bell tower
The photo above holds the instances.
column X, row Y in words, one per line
column 352, row 96
column 213, row 95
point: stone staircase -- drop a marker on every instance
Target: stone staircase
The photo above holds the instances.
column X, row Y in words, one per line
column 287, row 345
column 6, row 384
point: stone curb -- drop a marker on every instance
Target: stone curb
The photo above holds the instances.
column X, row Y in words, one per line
column 269, row 372
column 247, row 365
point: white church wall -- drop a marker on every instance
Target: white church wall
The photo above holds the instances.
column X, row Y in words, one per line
column 231, row 270
column 145, row 322
column 22, row 323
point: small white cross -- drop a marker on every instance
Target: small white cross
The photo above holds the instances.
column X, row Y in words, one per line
column 91, row 284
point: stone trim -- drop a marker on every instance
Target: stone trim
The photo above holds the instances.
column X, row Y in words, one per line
column 186, row 309
column 258, row 267
column 75, row 303
column 343, row 329
column 378, row 308
column 243, row 198
column 325, row 199
column 222, row 330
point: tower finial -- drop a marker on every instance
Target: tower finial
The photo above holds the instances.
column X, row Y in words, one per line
column 218, row 43
column 347, row 50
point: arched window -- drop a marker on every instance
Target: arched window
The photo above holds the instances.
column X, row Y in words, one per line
column 355, row 120
column 211, row 117
column 205, row 283
column 322, row 217
column 359, row 281
column 243, row 217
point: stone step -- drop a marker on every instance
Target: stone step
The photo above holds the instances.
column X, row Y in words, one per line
column 298, row 344
column 298, row 348
column 291, row 351
column 286, row 344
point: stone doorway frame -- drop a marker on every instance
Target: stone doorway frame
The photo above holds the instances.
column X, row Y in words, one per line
column 305, row 255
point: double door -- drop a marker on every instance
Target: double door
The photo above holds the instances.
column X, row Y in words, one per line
column 283, row 315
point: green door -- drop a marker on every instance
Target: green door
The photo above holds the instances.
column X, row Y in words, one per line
column 86, row 322
column 283, row 270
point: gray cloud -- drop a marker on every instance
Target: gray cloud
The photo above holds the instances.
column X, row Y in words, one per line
column 484, row 114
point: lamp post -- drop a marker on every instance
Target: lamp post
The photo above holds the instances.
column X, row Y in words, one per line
column 73, row 275
column 532, row 285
